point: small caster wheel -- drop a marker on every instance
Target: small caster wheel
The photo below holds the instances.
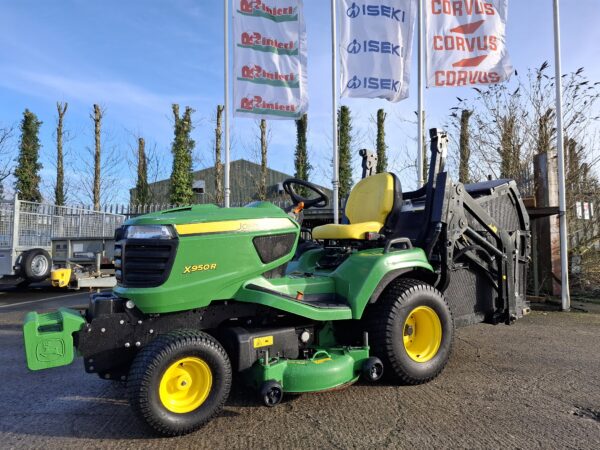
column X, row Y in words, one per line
column 372, row 369
column 271, row 393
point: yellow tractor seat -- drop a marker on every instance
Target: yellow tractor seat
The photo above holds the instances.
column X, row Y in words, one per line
column 370, row 203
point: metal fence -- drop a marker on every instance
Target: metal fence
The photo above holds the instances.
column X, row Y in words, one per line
column 31, row 224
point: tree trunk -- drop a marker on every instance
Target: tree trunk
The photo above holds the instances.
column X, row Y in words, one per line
column 544, row 136
column 345, row 155
column 262, row 188
column 301, row 163
column 98, row 113
column 509, row 149
column 59, row 189
column 464, row 150
column 142, row 191
column 381, row 147
column 219, row 197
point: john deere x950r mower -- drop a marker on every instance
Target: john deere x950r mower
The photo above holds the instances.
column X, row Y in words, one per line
column 204, row 292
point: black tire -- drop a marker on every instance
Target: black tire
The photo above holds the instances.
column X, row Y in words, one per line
column 152, row 362
column 271, row 393
column 386, row 321
column 372, row 369
column 36, row 265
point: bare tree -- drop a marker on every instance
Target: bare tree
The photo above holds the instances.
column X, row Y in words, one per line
column 259, row 149
column 464, row 148
column 514, row 121
column 219, row 197
column 97, row 118
column 111, row 182
column 6, row 134
column 142, row 191
column 262, row 186
column 60, row 195
column 99, row 177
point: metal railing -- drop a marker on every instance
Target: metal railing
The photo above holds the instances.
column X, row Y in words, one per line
column 30, row 224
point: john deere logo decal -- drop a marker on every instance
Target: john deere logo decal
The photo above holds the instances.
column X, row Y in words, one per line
column 256, row 74
column 260, row 43
column 50, row 350
column 257, row 105
column 258, row 8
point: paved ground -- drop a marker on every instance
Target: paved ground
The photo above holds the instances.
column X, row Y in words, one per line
column 535, row 384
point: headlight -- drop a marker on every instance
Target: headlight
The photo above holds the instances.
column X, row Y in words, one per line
column 149, row 232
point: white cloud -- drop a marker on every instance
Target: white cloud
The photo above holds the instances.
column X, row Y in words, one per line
column 113, row 92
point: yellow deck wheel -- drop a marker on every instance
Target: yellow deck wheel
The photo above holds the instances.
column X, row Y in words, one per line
column 422, row 334
column 185, row 385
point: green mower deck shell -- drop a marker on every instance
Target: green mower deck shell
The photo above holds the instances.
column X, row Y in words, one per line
column 49, row 338
column 231, row 253
column 327, row 369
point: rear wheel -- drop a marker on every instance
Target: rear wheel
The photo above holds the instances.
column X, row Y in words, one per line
column 179, row 381
column 411, row 330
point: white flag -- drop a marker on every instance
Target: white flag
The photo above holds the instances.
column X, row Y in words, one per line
column 376, row 48
column 269, row 59
column 466, row 42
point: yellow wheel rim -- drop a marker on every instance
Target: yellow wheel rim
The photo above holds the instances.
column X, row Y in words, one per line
column 422, row 334
column 185, row 385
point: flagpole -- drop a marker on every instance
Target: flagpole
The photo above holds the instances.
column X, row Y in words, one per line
column 226, row 106
column 420, row 101
column 334, row 108
column 564, row 256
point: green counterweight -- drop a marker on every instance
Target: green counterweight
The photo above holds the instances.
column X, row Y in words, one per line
column 49, row 338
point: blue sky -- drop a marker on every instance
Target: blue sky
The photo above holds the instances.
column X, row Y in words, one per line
column 136, row 57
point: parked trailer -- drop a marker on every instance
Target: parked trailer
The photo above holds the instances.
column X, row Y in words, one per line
column 28, row 228
column 83, row 262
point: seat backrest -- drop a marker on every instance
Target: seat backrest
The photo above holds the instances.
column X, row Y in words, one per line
column 372, row 199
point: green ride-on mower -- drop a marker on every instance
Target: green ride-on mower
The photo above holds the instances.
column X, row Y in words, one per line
column 204, row 292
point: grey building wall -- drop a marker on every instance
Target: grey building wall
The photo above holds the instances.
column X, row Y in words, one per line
column 244, row 179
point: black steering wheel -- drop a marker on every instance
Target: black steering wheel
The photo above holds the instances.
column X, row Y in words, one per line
column 321, row 201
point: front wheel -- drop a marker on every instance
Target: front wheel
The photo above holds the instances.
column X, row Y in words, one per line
column 411, row 330
column 179, row 381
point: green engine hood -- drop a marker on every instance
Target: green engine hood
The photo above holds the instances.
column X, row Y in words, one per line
column 217, row 251
column 208, row 213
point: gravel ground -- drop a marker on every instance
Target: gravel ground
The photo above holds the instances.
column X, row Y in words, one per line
column 535, row 384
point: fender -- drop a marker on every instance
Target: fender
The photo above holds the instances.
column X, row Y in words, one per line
column 364, row 275
column 419, row 274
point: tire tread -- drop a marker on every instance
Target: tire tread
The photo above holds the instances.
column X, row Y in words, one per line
column 149, row 357
column 380, row 324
